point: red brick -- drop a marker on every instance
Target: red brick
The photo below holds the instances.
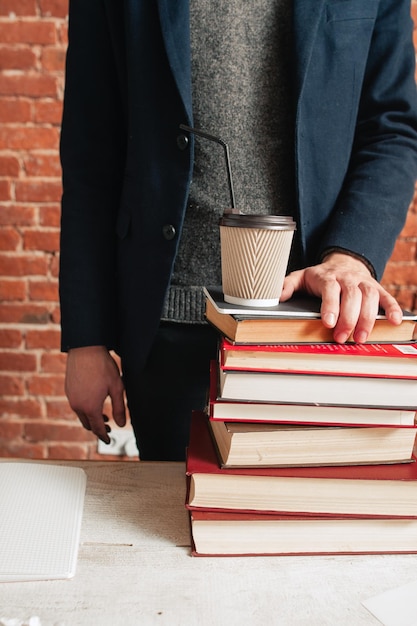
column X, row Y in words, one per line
column 47, row 112
column 11, row 386
column 10, row 338
column 73, row 452
column 410, row 228
column 21, row 7
column 400, row 274
column 22, row 450
column 51, row 363
column 9, row 166
column 15, row 110
column 10, row 430
column 18, row 215
column 24, row 314
column 17, row 58
column 54, row 8
column 386, row 277
column 63, row 33
column 43, row 165
column 23, row 265
column 25, row 407
column 17, row 362
column 12, row 290
column 405, row 250
column 46, row 385
column 29, row 138
column 407, row 300
column 9, row 238
column 53, row 59
column 404, row 297
column 35, row 86
column 5, row 190
column 54, row 266
column 38, row 191
column 46, row 240
column 56, row 315
column 50, row 216
column 59, row 409
column 37, row 432
column 43, row 290
column 46, row 339
column 28, row 32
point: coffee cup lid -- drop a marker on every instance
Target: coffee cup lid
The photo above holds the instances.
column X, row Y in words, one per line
column 269, row 222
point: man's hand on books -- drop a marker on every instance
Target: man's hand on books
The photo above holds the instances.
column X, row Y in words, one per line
column 350, row 296
column 92, row 375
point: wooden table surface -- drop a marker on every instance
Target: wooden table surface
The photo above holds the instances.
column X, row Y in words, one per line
column 134, row 568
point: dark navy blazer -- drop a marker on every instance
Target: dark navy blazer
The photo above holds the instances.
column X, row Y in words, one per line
column 127, row 166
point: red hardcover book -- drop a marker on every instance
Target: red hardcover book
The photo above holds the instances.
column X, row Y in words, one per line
column 220, row 533
column 352, row 359
column 356, row 490
column 320, row 389
column 285, row 413
column 241, row 444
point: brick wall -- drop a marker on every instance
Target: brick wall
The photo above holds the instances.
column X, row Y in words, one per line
column 35, row 420
column 400, row 276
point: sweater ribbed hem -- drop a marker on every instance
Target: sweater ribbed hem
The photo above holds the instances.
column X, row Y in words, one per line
column 184, row 304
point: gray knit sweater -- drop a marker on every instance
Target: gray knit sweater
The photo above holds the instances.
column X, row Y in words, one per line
column 242, row 93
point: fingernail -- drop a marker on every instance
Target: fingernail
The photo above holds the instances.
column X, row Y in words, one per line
column 330, row 319
column 396, row 317
column 361, row 337
column 341, row 337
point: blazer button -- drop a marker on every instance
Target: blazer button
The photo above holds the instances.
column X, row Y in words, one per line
column 182, row 142
column 169, row 232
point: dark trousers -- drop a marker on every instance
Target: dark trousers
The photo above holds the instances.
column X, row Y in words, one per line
column 173, row 383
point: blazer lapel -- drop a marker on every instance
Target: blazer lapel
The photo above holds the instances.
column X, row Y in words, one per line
column 175, row 26
column 307, row 14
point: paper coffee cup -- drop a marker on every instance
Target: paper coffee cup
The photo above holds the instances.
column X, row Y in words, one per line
column 255, row 250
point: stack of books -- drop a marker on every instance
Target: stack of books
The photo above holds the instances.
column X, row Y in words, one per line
column 307, row 446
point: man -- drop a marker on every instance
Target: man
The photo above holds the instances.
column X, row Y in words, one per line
column 317, row 101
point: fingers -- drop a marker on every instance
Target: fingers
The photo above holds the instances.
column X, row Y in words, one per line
column 292, row 283
column 351, row 308
column 351, row 297
column 118, row 403
column 96, row 424
column 330, row 304
column 92, row 375
column 94, row 421
column 359, row 305
column 391, row 307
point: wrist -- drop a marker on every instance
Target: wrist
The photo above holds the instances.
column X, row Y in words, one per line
column 87, row 350
column 335, row 252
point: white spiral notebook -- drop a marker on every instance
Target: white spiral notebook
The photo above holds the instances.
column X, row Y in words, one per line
column 41, row 509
